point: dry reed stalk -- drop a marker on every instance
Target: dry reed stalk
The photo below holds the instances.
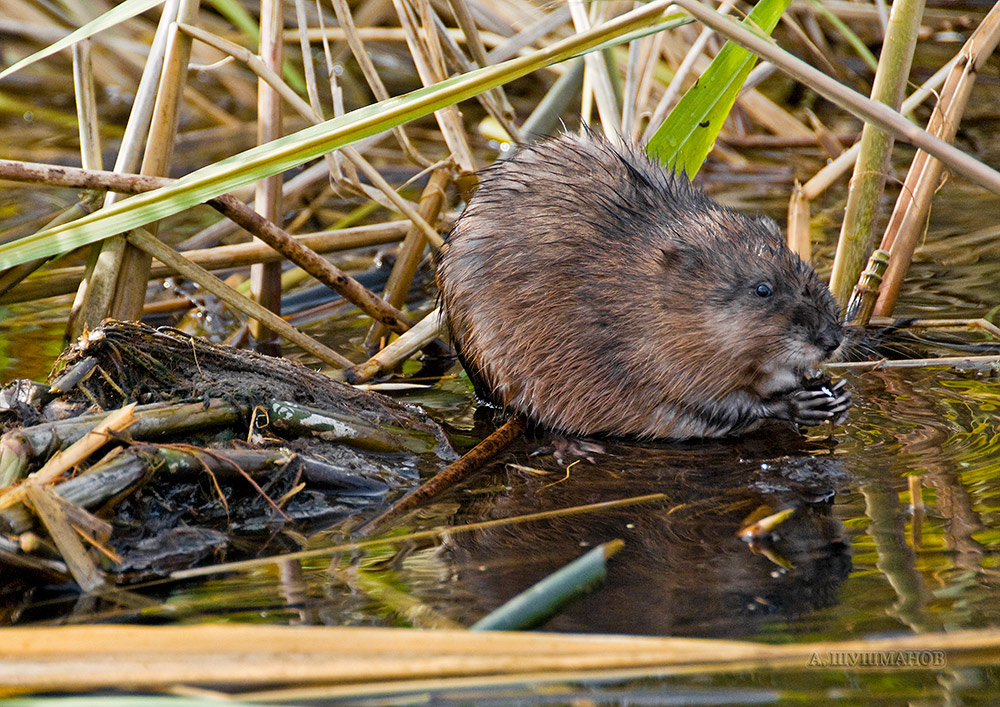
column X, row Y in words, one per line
column 395, row 199
column 353, row 661
column 773, row 117
column 239, row 213
column 52, row 515
column 630, row 93
column 65, row 280
column 799, row 226
column 418, row 337
column 488, row 100
column 268, row 75
column 425, row 50
column 962, row 363
column 265, row 278
column 909, row 217
column 383, row 34
column 823, row 179
column 291, row 190
column 871, row 170
column 357, row 48
column 801, row 199
column 852, row 11
column 433, row 534
column 454, row 473
column 62, row 461
column 133, row 274
column 86, row 107
column 597, row 75
column 533, row 34
column 649, row 60
column 411, row 251
column 96, row 289
column 476, row 46
column 234, row 299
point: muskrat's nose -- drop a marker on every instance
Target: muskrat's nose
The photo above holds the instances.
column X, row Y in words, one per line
column 829, row 340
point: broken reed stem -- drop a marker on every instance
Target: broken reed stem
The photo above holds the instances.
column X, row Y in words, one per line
column 239, row 213
column 909, row 217
column 421, row 335
column 411, row 251
column 132, row 276
column 452, row 474
column 71, row 548
column 168, row 256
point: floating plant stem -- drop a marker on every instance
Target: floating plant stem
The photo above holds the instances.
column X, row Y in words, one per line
column 539, row 602
column 418, row 536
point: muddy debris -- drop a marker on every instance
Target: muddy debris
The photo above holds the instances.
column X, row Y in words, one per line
column 150, row 449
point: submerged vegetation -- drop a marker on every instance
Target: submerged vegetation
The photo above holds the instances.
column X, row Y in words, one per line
column 281, row 176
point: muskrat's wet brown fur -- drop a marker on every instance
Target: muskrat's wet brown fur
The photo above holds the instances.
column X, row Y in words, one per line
column 598, row 293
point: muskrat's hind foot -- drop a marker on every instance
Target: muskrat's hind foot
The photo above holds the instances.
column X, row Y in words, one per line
column 562, row 448
column 821, row 402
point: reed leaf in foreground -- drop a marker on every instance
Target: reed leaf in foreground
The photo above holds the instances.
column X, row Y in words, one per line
column 290, row 151
column 114, row 16
column 687, row 135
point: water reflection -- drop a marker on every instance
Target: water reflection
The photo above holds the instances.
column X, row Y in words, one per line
column 683, row 570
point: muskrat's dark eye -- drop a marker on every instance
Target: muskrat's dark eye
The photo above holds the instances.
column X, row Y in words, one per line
column 763, row 290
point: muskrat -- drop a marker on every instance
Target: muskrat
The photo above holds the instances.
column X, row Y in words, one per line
column 598, row 293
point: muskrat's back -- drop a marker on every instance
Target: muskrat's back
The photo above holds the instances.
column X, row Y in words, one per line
column 598, row 293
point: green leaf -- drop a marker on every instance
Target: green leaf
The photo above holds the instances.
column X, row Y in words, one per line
column 542, row 600
column 687, row 135
column 853, row 39
column 114, row 16
column 312, row 142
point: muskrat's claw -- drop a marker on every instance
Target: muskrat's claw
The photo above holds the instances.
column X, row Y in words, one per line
column 822, row 402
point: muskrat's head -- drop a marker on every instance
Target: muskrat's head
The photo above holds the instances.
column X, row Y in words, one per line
column 770, row 314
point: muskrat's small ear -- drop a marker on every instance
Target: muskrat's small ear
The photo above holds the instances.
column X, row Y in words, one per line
column 671, row 259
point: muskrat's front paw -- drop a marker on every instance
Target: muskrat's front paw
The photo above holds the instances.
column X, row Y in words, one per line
column 820, row 402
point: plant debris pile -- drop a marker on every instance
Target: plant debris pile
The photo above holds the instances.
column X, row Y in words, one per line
column 151, row 450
